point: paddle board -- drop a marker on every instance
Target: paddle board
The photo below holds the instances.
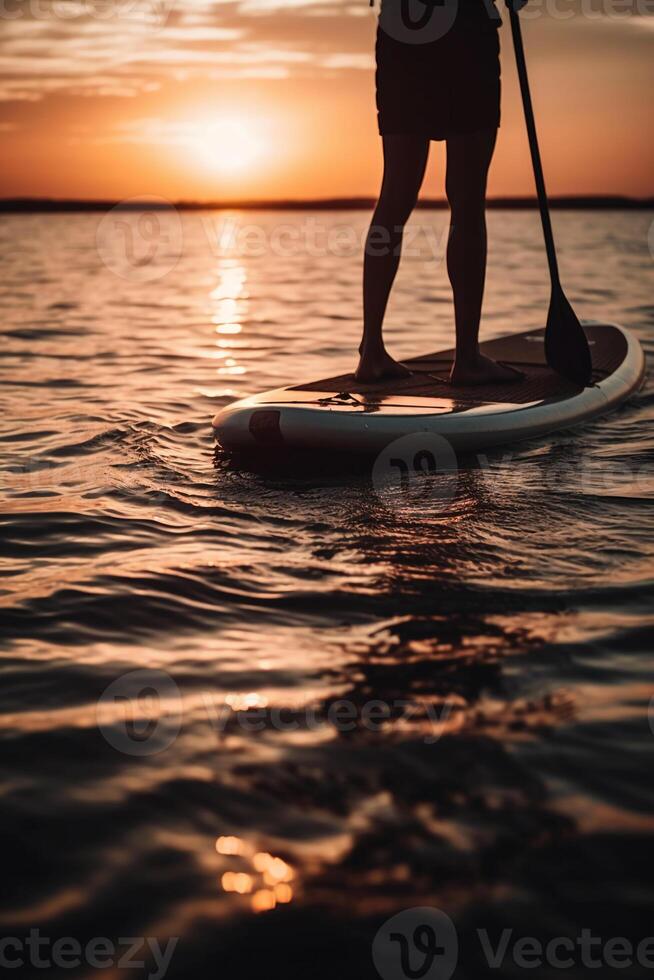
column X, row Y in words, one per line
column 340, row 414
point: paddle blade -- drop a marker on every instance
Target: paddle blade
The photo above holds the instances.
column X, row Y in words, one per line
column 566, row 346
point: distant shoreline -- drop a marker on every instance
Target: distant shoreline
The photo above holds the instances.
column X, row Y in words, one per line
column 37, row 205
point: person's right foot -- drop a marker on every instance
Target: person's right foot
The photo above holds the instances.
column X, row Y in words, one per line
column 483, row 371
column 380, row 366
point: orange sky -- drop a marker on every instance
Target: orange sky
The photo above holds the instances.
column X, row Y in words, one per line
column 259, row 98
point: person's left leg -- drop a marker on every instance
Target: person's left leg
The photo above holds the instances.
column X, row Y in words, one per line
column 468, row 159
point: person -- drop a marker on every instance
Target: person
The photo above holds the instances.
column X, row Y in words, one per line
column 435, row 80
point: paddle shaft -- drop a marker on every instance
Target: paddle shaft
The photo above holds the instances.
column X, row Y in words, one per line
column 533, row 146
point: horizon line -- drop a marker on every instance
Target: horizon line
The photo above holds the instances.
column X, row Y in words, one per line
column 560, row 202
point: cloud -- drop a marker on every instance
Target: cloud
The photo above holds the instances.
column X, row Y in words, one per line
column 124, row 48
column 119, row 49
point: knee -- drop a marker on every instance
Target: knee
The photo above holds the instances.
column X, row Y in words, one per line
column 394, row 208
column 467, row 213
column 467, row 204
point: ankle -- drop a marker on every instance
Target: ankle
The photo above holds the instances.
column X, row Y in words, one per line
column 467, row 356
column 372, row 348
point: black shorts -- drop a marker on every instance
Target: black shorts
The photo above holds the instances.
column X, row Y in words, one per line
column 445, row 87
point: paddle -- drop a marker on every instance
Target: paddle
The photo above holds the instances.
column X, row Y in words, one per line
column 566, row 347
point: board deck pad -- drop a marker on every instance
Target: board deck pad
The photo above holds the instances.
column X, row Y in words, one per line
column 525, row 351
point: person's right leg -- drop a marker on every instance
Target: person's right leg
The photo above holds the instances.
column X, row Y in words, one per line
column 405, row 159
column 468, row 159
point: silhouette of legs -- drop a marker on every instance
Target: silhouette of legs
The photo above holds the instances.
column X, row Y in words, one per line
column 468, row 160
column 405, row 159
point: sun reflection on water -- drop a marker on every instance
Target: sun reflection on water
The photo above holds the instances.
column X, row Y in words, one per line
column 267, row 881
column 230, row 299
column 230, row 845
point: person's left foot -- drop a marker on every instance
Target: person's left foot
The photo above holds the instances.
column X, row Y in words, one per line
column 374, row 368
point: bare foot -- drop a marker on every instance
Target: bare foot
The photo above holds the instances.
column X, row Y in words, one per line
column 483, row 371
column 379, row 367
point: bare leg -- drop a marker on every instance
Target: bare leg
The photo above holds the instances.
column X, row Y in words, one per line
column 468, row 160
column 405, row 159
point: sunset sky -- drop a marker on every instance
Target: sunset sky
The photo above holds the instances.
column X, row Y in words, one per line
column 260, row 98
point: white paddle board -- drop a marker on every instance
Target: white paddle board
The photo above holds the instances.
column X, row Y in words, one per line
column 342, row 415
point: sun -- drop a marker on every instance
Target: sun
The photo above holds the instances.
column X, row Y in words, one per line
column 228, row 145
